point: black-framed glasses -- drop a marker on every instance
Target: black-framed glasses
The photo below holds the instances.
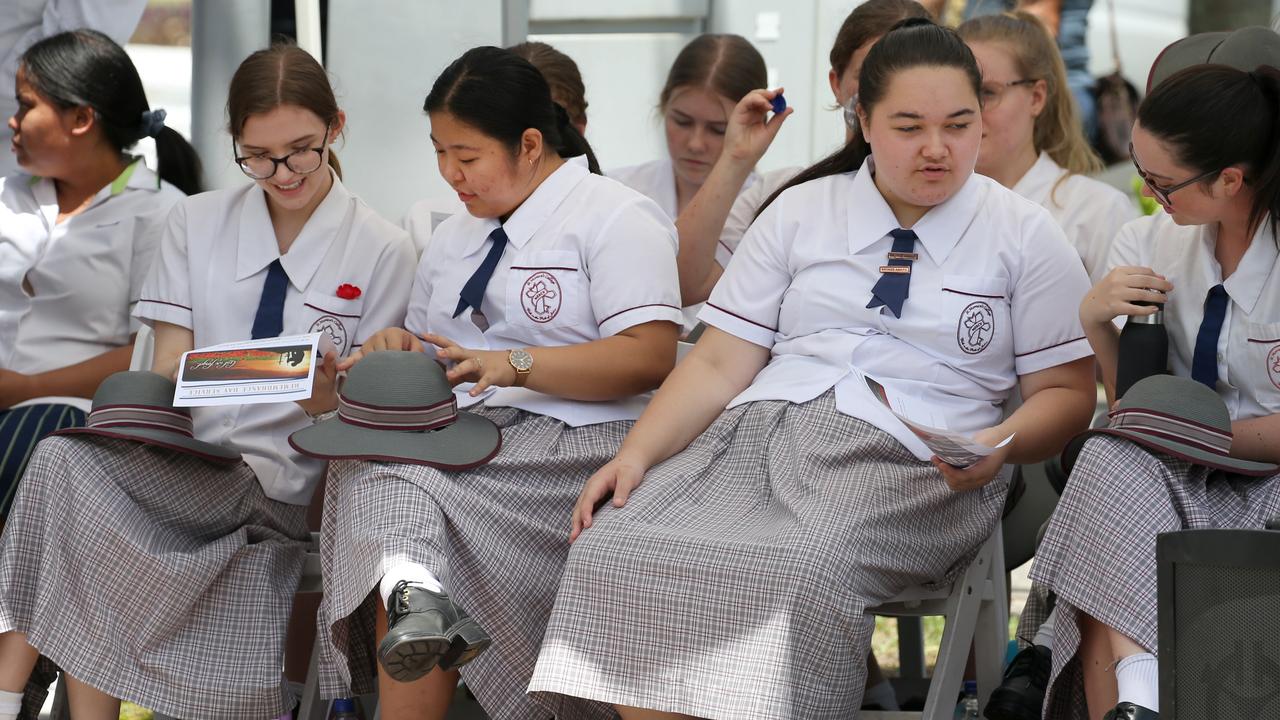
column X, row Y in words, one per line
column 992, row 93
column 302, row 162
column 1162, row 193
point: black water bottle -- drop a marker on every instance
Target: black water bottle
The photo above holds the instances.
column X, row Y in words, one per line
column 1144, row 349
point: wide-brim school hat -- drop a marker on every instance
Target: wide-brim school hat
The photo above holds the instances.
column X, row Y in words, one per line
column 1243, row 49
column 397, row 406
column 138, row 406
column 1176, row 416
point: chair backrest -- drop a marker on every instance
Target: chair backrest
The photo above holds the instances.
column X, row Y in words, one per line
column 1219, row 613
column 144, row 349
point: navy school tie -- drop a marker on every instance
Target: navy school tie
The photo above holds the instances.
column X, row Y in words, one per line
column 1204, row 362
column 473, row 292
column 894, row 285
column 269, row 322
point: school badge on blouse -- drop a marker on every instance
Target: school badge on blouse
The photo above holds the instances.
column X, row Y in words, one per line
column 976, row 328
column 1273, row 366
column 541, row 297
column 337, row 332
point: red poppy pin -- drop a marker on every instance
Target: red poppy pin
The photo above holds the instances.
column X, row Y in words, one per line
column 347, row 291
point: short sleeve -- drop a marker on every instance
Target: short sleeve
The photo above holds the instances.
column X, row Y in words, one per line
column 631, row 266
column 389, row 295
column 740, row 218
column 166, row 294
column 148, row 231
column 420, row 294
column 1046, row 299
column 1115, row 209
column 747, row 300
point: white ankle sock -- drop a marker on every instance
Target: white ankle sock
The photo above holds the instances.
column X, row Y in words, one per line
column 1044, row 636
column 881, row 694
column 412, row 572
column 1138, row 681
column 10, row 705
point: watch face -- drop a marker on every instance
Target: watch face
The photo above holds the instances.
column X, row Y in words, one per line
column 521, row 360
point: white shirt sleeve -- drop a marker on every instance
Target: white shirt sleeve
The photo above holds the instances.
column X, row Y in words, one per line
column 1131, row 247
column 1116, row 210
column 166, row 294
column 1045, row 300
column 148, row 230
column 631, row 264
column 747, row 300
column 415, row 320
column 389, row 293
column 740, row 217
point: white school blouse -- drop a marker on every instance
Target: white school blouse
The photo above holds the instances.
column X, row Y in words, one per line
column 993, row 295
column 1090, row 212
column 86, row 273
column 1249, row 344
column 656, row 180
column 586, row 258
column 209, row 275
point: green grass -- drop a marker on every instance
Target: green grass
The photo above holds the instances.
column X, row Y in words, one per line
column 885, row 641
column 129, row 711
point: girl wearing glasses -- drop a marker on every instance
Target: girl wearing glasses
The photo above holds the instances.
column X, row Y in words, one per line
column 765, row 499
column 193, row 626
column 1032, row 141
column 1206, row 144
column 78, row 228
column 713, row 222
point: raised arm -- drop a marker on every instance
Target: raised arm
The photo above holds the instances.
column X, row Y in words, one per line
column 747, row 137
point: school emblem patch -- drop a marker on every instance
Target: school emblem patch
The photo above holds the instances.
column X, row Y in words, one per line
column 976, row 328
column 541, row 297
column 1273, row 366
column 333, row 326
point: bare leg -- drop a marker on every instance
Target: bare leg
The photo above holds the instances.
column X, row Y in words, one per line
column 17, row 660
column 427, row 698
column 630, row 713
column 90, row 703
column 1097, row 662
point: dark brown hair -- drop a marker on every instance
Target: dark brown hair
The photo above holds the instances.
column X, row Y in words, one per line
column 867, row 22
column 283, row 74
column 726, row 64
column 912, row 43
column 562, row 75
column 1215, row 116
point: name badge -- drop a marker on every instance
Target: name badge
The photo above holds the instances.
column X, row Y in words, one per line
column 895, row 269
column 904, row 256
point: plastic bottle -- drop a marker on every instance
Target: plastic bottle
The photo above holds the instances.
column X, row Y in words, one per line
column 345, row 709
column 1143, row 349
column 968, row 707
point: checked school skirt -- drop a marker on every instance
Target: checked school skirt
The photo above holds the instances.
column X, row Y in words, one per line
column 153, row 576
column 496, row 536
column 734, row 583
column 1099, row 553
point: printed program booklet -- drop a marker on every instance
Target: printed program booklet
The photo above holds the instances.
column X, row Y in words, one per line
column 270, row 370
column 954, row 448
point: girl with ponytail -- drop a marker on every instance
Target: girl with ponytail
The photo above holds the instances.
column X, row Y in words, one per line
column 78, row 228
column 724, row 559
column 554, row 304
column 1207, row 144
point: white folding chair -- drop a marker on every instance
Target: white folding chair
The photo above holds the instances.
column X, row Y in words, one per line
column 977, row 616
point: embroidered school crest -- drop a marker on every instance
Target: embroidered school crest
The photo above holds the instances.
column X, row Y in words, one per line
column 333, row 326
column 976, row 328
column 1273, row 366
column 541, row 297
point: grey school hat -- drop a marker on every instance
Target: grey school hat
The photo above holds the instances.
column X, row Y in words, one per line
column 1243, row 49
column 398, row 406
column 138, row 405
column 1176, row 416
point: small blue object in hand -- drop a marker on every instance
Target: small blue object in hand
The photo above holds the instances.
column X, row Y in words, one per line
column 779, row 104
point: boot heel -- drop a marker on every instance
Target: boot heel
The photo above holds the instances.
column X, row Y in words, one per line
column 468, row 640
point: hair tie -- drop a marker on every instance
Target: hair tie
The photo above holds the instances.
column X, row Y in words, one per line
column 153, row 122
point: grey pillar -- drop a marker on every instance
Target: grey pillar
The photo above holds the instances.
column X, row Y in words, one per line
column 223, row 33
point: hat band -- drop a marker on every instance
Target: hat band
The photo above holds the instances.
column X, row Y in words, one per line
column 398, row 419
column 140, row 416
column 1162, row 426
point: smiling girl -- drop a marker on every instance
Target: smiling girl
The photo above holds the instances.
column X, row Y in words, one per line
column 766, row 499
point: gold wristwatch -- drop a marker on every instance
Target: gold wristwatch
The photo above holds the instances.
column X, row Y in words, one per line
column 522, row 361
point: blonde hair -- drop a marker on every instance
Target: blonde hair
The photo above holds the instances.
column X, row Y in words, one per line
column 1035, row 55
